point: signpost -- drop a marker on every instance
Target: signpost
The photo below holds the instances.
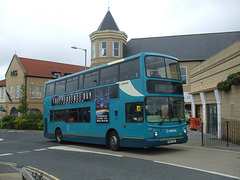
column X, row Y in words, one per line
column 1, row 109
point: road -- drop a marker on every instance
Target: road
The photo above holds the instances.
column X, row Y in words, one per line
column 83, row 161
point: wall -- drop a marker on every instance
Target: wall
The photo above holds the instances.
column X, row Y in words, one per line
column 216, row 68
column 109, row 36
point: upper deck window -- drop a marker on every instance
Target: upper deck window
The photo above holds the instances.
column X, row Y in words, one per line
column 60, row 87
column 91, row 79
column 109, row 75
column 130, row 70
column 72, row 84
column 49, row 89
column 160, row 67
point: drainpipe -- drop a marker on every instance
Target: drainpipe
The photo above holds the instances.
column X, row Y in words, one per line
column 204, row 103
column 219, row 118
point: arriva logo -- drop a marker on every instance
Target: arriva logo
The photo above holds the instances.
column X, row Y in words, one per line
column 171, row 131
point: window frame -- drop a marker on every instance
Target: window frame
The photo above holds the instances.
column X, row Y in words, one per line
column 140, row 118
column 11, row 91
column 116, row 49
column 93, row 50
column 182, row 75
column 116, row 75
column 17, row 91
column 103, row 50
column 122, row 74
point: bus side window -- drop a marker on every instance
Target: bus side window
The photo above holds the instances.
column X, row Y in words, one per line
column 84, row 115
column 109, row 75
column 51, row 115
column 130, row 70
column 80, row 82
column 134, row 112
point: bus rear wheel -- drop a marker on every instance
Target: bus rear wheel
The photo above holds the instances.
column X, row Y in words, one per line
column 58, row 136
column 113, row 141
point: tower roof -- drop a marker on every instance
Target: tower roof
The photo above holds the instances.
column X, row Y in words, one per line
column 108, row 23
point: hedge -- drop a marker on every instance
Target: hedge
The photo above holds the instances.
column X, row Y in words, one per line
column 32, row 121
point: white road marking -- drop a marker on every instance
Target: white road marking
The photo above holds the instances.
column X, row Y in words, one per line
column 39, row 150
column 1, row 139
column 22, row 152
column 196, row 169
column 65, row 148
column 6, row 154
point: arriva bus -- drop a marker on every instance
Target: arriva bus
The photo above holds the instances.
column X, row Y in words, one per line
column 133, row 102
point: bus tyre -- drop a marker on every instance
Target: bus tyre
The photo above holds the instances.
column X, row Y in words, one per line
column 58, row 136
column 114, row 141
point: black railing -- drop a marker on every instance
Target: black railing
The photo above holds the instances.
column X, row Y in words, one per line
column 230, row 135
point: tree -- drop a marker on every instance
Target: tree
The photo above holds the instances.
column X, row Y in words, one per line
column 23, row 107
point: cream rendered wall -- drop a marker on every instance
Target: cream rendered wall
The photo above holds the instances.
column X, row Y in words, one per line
column 204, row 78
column 108, row 36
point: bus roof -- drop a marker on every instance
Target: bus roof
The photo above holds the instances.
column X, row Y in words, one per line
column 114, row 62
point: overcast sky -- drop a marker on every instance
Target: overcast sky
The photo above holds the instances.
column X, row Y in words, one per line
column 46, row 29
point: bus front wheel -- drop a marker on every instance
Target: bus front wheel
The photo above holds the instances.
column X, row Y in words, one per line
column 58, row 136
column 113, row 141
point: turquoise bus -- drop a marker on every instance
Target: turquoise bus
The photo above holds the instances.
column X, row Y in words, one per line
column 133, row 102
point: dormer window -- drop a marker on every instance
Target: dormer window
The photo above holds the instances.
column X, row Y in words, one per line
column 66, row 74
column 56, row 74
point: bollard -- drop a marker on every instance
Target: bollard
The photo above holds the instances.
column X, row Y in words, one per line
column 202, row 132
column 227, row 135
column 26, row 175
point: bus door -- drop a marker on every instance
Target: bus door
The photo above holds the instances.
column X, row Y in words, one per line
column 50, row 121
column 133, row 128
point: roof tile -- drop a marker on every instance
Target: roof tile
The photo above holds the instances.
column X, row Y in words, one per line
column 40, row 68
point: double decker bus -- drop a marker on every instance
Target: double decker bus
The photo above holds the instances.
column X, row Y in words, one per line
column 133, row 102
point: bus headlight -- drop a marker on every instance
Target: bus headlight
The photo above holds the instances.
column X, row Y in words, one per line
column 185, row 130
column 155, row 133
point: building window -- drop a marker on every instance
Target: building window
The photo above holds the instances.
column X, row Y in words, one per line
column 36, row 91
column 56, row 74
column 2, row 91
column 17, row 90
column 93, row 51
column 103, row 49
column 116, row 47
column 184, row 74
column 11, row 91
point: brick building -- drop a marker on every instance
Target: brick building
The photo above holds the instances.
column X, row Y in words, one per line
column 33, row 74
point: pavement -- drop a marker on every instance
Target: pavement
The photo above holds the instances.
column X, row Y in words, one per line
column 11, row 171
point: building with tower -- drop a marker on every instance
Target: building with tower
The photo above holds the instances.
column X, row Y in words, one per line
column 203, row 100
column 108, row 42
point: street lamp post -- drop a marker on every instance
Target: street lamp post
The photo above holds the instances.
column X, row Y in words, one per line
column 85, row 50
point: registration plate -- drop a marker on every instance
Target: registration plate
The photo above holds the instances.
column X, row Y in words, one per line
column 171, row 141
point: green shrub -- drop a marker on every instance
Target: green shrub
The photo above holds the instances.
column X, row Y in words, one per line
column 10, row 124
column 7, row 118
column 21, row 124
column 40, row 125
column 4, row 125
column 32, row 121
column 35, row 116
